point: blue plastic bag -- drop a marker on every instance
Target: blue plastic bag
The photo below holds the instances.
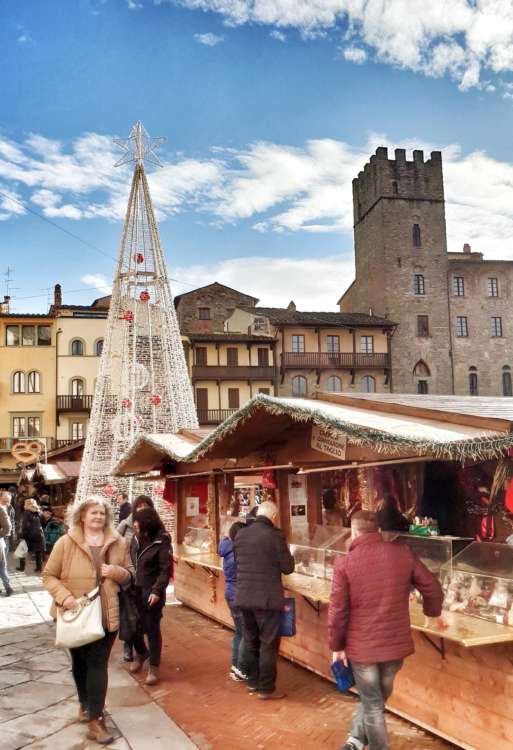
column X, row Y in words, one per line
column 288, row 618
column 343, row 676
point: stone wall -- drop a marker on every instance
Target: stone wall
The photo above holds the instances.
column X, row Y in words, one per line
column 220, row 300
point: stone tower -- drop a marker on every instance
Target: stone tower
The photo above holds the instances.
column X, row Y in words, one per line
column 402, row 265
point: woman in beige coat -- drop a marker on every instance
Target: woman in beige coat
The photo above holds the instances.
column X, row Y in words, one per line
column 91, row 551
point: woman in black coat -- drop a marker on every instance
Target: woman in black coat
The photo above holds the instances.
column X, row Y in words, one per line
column 32, row 533
column 152, row 557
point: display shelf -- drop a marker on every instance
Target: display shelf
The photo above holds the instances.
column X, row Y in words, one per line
column 315, row 548
column 466, row 630
column 436, row 552
column 205, row 559
column 316, row 589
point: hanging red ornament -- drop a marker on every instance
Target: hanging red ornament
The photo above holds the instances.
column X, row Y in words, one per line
column 128, row 315
column 144, row 296
column 139, row 258
column 155, row 400
column 126, row 403
column 110, row 490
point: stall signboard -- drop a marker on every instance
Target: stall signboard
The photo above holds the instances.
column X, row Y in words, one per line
column 192, row 506
column 329, row 441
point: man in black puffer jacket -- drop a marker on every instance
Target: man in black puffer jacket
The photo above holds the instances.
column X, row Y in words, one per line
column 261, row 555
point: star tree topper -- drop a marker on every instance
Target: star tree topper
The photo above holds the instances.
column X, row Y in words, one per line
column 139, row 146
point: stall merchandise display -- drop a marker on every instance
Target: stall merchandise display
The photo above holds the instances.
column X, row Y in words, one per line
column 479, row 582
column 315, row 549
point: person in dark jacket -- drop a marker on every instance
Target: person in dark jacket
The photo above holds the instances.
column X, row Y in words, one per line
column 237, row 672
column 369, row 621
column 32, row 533
column 389, row 517
column 53, row 529
column 152, row 557
column 261, row 555
column 6, row 503
column 125, row 507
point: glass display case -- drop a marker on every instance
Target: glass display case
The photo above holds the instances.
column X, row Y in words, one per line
column 196, row 539
column 315, row 548
column 436, row 552
column 479, row 582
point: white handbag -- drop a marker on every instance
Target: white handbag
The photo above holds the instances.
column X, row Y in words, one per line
column 21, row 550
column 77, row 627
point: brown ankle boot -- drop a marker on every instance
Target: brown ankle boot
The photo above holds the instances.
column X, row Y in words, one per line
column 137, row 663
column 153, row 675
column 98, row 733
column 82, row 715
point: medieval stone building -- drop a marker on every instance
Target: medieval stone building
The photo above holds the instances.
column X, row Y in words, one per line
column 453, row 310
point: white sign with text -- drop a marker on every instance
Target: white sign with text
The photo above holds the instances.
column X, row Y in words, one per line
column 332, row 442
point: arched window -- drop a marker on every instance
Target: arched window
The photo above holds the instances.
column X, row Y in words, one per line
column 368, row 384
column 421, row 370
column 415, row 232
column 98, row 348
column 507, row 389
column 33, row 382
column 472, row 381
column 18, row 382
column 334, row 384
column 77, row 387
column 299, row 385
column 77, row 348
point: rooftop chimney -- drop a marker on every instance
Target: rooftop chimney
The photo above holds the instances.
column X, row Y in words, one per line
column 466, row 248
column 5, row 305
column 57, row 296
column 291, row 305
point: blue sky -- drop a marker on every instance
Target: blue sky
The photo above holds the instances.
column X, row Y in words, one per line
column 269, row 107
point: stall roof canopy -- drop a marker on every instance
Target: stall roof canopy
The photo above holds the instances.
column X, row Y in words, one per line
column 50, row 473
column 385, row 426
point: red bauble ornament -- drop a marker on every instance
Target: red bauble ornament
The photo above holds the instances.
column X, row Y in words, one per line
column 126, row 403
column 110, row 490
column 128, row 315
column 155, row 400
column 144, row 296
column 139, row 258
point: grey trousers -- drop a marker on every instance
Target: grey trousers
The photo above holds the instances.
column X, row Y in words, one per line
column 3, row 566
column 375, row 683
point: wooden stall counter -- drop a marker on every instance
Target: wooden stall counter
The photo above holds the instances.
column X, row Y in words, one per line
column 205, row 559
column 463, row 629
column 315, row 589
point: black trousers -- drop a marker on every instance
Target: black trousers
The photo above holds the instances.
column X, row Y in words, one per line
column 150, row 621
column 261, row 630
column 39, row 562
column 90, row 664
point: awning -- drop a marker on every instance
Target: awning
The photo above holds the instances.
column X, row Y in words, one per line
column 51, row 474
column 70, row 469
column 384, row 431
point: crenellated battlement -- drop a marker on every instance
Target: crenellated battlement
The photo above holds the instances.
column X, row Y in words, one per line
column 397, row 178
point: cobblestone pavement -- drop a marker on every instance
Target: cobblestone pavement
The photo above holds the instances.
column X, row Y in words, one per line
column 38, row 706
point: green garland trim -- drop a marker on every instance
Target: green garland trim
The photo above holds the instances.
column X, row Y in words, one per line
column 480, row 448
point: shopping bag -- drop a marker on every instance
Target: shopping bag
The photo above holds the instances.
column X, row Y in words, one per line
column 343, row 676
column 288, row 618
column 76, row 627
column 21, row 550
column 129, row 621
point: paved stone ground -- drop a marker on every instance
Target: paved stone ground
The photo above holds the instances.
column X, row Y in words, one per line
column 38, row 706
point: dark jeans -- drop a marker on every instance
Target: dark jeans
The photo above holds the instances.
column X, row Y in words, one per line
column 238, row 638
column 39, row 562
column 150, row 621
column 375, row 683
column 89, row 665
column 3, row 567
column 261, row 645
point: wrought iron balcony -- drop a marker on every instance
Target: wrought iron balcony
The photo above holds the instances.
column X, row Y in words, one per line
column 214, row 416
column 74, row 403
column 227, row 372
column 334, row 361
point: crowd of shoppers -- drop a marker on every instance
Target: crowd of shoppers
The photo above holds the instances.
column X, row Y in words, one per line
column 368, row 618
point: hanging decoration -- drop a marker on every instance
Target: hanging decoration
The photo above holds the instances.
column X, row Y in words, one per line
column 141, row 359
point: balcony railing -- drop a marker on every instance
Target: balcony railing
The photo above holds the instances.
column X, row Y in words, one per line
column 226, row 372
column 334, row 360
column 6, row 443
column 74, row 403
column 214, row 416
column 63, row 443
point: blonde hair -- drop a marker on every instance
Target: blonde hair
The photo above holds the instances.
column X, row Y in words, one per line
column 75, row 514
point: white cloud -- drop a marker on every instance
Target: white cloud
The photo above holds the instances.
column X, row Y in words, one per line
column 10, row 203
column 278, row 35
column 269, row 278
column 98, row 281
column 209, row 40
column 461, row 38
column 355, row 54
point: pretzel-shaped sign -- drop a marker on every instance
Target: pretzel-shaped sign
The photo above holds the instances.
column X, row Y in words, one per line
column 27, row 451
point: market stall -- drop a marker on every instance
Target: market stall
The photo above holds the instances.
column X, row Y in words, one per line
column 323, row 459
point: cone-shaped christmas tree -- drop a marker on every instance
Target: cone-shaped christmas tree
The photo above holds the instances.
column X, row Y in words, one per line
column 143, row 383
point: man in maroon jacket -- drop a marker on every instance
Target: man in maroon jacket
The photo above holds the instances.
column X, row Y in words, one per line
column 369, row 621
